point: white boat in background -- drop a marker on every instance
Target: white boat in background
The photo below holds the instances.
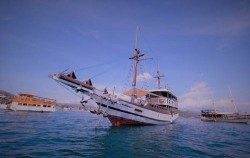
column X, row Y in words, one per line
column 211, row 115
column 234, row 117
column 134, row 107
column 29, row 102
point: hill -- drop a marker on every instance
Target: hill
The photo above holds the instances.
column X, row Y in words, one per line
column 188, row 114
column 6, row 97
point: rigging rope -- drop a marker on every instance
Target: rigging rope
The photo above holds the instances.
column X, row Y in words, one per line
column 144, row 80
column 128, row 77
column 68, row 89
column 105, row 71
column 96, row 65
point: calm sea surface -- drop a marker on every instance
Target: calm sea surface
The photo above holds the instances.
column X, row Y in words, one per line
column 73, row 134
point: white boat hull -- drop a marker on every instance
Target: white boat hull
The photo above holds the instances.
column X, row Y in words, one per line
column 123, row 113
column 14, row 106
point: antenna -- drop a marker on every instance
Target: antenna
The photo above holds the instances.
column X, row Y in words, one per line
column 159, row 76
column 232, row 99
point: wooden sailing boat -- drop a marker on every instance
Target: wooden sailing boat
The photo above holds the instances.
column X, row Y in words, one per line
column 213, row 115
column 134, row 107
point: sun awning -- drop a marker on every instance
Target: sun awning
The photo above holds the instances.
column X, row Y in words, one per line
column 139, row 92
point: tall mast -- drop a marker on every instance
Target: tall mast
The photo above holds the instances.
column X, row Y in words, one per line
column 136, row 37
column 136, row 58
column 232, row 100
column 214, row 105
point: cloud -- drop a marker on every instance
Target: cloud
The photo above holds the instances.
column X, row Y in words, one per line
column 144, row 77
column 94, row 34
column 230, row 24
column 231, row 28
column 198, row 97
column 91, row 33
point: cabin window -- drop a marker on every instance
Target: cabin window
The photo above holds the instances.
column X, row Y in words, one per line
column 24, row 104
column 44, row 105
column 34, row 105
column 49, row 106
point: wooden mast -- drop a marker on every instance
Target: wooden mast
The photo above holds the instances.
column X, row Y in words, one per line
column 136, row 58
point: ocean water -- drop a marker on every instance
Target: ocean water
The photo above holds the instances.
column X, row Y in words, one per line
column 73, row 134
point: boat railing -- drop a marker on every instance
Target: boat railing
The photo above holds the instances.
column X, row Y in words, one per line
column 45, row 99
column 162, row 101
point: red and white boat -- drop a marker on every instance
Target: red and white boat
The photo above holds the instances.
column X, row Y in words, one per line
column 134, row 107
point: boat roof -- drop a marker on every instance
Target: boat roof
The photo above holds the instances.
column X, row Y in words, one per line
column 222, row 113
column 225, row 113
column 34, row 96
column 139, row 92
column 162, row 90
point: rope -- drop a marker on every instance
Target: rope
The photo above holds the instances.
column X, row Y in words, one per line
column 128, row 77
column 68, row 89
column 144, row 82
column 101, row 118
column 108, row 69
column 96, row 65
column 146, row 43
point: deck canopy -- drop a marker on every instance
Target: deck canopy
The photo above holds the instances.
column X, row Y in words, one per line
column 139, row 93
column 25, row 95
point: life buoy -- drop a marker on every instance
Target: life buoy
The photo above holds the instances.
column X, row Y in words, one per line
column 161, row 101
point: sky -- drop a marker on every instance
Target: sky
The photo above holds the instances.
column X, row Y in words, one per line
column 201, row 46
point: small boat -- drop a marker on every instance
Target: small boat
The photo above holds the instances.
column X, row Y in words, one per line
column 213, row 115
column 29, row 102
column 134, row 107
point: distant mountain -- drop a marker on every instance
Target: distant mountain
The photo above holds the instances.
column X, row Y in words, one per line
column 7, row 94
column 188, row 114
column 8, row 97
column 70, row 107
